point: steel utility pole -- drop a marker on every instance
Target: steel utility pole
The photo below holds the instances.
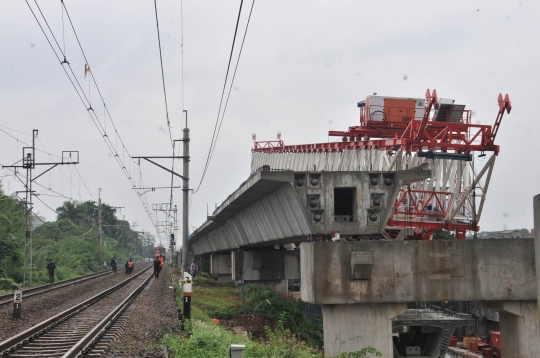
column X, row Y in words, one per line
column 185, row 196
column 29, row 163
column 185, row 187
column 100, row 229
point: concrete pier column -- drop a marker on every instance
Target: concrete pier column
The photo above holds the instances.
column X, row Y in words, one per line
column 221, row 266
column 352, row 327
column 520, row 332
column 272, row 268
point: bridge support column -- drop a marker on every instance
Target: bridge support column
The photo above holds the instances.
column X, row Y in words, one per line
column 520, row 331
column 352, row 327
column 272, row 268
column 221, row 266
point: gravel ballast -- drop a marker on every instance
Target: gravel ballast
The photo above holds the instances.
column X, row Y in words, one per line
column 41, row 307
column 152, row 315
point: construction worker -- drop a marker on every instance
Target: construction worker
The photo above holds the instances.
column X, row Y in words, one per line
column 127, row 268
column 193, row 269
column 113, row 264
column 161, row 259
column 130, row 267
column 156, row 267
column 51, row 266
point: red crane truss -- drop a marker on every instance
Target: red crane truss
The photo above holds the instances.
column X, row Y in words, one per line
column 451, row 134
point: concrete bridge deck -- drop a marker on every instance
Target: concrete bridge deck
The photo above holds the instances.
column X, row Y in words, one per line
column 281, row 207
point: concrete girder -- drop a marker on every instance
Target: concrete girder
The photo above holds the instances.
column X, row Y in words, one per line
column 276, row 208
column 451, row 177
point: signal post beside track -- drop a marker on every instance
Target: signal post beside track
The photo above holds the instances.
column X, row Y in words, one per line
column 17, row 304
column 186, row 299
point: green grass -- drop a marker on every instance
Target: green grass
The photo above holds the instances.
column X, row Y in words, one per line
column 293, row 337
column 209, row 340
column 269, row 302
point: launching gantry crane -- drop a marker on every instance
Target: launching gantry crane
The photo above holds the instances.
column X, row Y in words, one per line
column 398, row 133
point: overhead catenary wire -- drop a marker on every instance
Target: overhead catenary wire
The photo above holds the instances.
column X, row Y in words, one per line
column 88, row 190
column 214, row 139
column 56, row 231
column 17, row 174
column 106, row 109
column 18, row 140
column 232, row 81
column 163, row 77
column 14, row 130
column 90, row 112
column 47, row 152
column 62, row 172
column 91, row 74
column 166, row 104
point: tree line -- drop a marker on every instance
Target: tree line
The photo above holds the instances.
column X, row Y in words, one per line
column 72, row 241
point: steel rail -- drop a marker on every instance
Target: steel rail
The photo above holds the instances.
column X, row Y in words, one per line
column 11, row 345
column 5, row 298
column 84, row 346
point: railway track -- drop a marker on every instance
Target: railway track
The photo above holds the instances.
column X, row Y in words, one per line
column 38, row 290
column 77, row 331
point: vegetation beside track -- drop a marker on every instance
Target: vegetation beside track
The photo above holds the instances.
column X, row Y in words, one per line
column 293, row 335
column 71, row 241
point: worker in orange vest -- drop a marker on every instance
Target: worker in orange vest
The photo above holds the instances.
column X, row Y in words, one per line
column 161, row 259
column 130, row 267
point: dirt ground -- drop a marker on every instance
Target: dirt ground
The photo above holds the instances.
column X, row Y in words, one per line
column 253, row 323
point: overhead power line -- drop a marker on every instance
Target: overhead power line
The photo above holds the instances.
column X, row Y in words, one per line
column 69, row 179
column 94, row 80
column 35, row 182
column 221, row 100
column 39, row 150
column 166, row 105
column 218, row 122
column 234, row 76
column 52, row 155
column 112, row 148
column 14, row 130
column 163, row 77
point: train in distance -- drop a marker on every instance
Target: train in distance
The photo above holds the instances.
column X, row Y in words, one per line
column 159, row 251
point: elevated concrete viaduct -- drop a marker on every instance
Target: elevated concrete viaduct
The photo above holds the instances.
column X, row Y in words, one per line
column 336, row 219
column 281, row 207
column 367, row 284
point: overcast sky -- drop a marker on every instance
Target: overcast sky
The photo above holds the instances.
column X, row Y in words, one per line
column 304, row 66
